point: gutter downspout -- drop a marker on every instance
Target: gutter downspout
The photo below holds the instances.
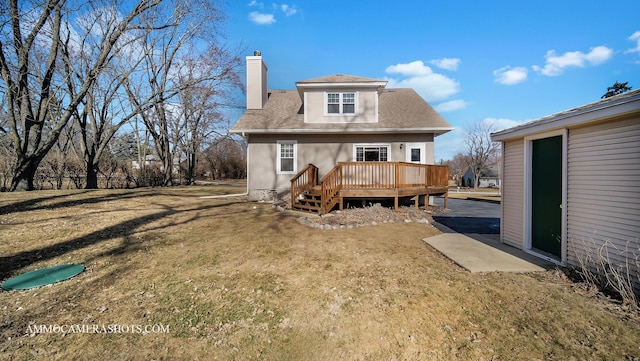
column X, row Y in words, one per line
column 225, row 195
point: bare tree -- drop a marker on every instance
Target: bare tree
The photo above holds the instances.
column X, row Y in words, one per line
column 159, row 83
column 105, row 108
column 7, row 152
column 201, row 102
column 7, row 160
column 226, row 158
column 56, row 164
column 31, row 35
column 480, row 150
column 458, row 166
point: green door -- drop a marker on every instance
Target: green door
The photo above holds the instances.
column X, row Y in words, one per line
column 546, row 196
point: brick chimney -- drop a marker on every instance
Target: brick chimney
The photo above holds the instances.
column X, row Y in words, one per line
column 256, row 81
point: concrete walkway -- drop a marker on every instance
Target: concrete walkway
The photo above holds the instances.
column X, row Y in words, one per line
column 471, row 239
column 476, row 256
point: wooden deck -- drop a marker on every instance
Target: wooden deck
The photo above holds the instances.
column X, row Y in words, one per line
column 366, row 181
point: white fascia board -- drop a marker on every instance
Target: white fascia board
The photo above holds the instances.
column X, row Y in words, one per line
column 372, row 84
column 437, row 130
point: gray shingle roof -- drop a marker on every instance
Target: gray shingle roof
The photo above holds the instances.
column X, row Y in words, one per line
column 399, row 111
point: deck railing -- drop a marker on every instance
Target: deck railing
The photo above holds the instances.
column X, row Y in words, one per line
column 303, row 181
column 391, row 175
column 367, row 175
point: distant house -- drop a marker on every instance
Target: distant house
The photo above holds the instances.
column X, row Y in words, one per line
column 150, row 160
column 489, row 178
column 571, row 184
column 328, row 121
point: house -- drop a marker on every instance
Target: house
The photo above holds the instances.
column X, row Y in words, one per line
column 328, row 121
column 571, row 185
column 489, row 177
column 150, row 161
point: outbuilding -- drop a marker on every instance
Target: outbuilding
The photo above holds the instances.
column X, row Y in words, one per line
column 571, row 186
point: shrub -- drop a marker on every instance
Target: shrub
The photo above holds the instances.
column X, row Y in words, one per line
column 614, row 269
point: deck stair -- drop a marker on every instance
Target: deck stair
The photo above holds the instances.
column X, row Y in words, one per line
column 310, row 200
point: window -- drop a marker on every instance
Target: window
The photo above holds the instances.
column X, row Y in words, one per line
column 415, row 154
column 286, row 156
column 341, row 103
column 372, row 153
column 349, row 103
column 333, row 103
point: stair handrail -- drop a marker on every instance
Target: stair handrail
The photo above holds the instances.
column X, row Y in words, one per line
column 303, row 181
column 331, row 185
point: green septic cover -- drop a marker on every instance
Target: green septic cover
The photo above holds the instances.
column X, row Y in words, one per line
column 42, row 277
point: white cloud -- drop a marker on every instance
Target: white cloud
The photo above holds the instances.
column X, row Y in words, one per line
column 288, row 9
column 269, row 17
column 261, row 19
column 450, row 106
column 556, row 64
column 634, row 37
column 415, row 68
column 599, row 55
column 431, row 86
column 498, row 124
column 510, row 76
column 446, row 63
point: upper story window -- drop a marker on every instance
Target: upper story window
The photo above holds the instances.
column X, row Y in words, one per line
column 341, row 103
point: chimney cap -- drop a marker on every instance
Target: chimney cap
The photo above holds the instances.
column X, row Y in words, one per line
column 257, row 53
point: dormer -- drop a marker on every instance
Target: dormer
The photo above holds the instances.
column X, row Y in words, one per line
column 340, row 99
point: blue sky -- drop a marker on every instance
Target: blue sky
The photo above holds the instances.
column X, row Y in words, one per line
column 501, row 61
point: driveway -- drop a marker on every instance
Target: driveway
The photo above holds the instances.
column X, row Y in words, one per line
column 469, row 217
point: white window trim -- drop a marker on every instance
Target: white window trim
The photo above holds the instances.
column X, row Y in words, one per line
column 295, row 156
column 340, row 114
column 423, row 152
column 379, row 145
column 528, row 156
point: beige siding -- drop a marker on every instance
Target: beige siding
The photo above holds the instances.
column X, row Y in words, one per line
column 513, row 194
column 604, row 191
column 367, row 109
column 322, row 150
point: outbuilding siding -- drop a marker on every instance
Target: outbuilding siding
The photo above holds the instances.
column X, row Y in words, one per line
column 513, row 193
column 601, row 224
column 603, row 197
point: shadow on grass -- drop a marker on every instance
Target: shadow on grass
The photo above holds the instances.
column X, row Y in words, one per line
column 16, row 324
column 12, row 263
column 38, row 203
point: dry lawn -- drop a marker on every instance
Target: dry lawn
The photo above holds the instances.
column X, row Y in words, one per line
column 235, row 280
